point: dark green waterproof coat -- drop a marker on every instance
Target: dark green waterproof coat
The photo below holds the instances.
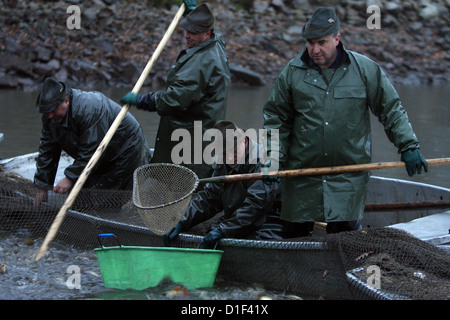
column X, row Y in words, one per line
column 323, row 120
column 250, row 208
column 88, row 119
column 196, row 90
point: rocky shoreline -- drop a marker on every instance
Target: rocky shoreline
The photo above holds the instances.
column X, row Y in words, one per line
column 116, row 39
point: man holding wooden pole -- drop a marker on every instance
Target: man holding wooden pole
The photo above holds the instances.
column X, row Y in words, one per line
column 250, row 208
column 107, row 138
column 320, row 104
column 196, row 89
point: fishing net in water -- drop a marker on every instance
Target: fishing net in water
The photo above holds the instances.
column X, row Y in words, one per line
column 392, row 260
column 377, row 263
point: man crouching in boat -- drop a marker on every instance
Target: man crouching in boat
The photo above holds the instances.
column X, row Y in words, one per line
column 249, row 207
column 76, row 122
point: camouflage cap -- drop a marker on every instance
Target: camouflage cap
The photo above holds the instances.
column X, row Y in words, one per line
column 323, row 22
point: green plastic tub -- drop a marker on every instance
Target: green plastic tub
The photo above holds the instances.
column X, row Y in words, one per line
column 130, row 267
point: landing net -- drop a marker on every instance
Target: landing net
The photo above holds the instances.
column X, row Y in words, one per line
column 377, row 263
column 162, row 193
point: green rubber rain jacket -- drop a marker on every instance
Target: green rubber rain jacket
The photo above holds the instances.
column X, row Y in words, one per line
column 196, row 90
column 323, row 120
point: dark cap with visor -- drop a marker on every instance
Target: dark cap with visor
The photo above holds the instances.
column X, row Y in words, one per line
column 323, row 22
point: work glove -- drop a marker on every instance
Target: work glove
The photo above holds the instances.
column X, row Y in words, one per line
column 190, row 6
column 172, row 234
column 268, row 180
column 414, row 161
column 209, row 241
column 130, row 98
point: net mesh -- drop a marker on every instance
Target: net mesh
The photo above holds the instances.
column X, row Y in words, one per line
column 323, row 266
column 408, row 268
column 162, row 193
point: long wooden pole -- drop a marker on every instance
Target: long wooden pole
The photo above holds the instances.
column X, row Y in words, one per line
column 413, row 205
column 320, row 171
column 96, row 156
column 396, row 206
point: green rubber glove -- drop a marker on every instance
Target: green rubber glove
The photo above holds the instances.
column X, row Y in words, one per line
column 190, row 6
column 209, row 241
column 130, row 98
column 414, row 161
column 268, row 180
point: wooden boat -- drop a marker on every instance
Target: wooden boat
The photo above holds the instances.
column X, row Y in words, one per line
column 302, row 266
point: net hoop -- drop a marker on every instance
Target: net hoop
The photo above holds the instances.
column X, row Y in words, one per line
column 161, row 193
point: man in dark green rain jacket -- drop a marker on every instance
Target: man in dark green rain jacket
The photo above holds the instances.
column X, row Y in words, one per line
column 320, row 103
column 196, row 89
column 250, row 208
column 76, row 122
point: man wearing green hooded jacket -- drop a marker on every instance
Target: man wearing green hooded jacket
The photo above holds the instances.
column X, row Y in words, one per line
column 196, row 88
column 320, row 103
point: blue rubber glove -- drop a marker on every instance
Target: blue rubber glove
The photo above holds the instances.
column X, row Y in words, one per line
column 268, row 180
column 130, row 98
column 190, row 6
column 172, row 234
column 414, row 161
column 209, row 241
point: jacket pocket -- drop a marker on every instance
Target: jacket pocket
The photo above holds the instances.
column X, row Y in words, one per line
column 349, row 104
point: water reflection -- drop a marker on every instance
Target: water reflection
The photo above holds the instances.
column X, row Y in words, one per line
column 427, row 107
